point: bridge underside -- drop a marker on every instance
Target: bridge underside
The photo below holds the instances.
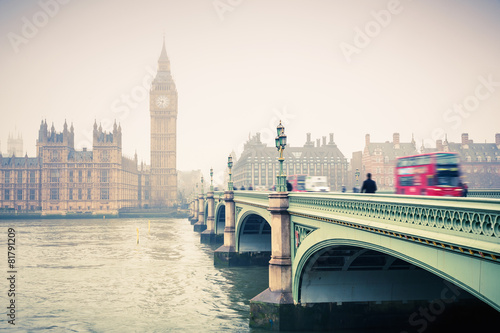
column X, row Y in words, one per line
column 220, row 220
column 255, row 235
column 352, row 274
column 253, row 244
column 349, row 287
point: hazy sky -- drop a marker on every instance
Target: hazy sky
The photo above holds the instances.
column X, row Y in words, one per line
column 347, row 67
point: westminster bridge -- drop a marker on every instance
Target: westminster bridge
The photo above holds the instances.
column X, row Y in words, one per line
column 332, row 255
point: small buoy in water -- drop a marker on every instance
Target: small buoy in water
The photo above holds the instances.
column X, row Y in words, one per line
column 104, row 217
column 137, row 235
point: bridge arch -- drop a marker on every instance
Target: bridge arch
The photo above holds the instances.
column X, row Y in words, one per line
column 220, row 218
column 253, row 232
column 394, row 260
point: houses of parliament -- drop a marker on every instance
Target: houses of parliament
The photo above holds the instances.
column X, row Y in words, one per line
column 61, row 180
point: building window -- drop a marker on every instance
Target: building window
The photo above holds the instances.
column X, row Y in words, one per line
column 19, row 194
column 54, row 194
column 104, row 194
column 89, row 176
column 89, row 194
column 32, row 177
column 70, row 194
column 104, row 176
column 19, row 177
column 71, row 176
column 32, row 195
column 146, row 195
column 54, row 176
column 7, row 177
column 79, row 194
column 7, row 195
column 80, row 176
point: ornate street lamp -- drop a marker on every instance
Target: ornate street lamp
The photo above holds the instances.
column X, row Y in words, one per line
column 357, row 178
column 280, row 145
column 211, row 179
column 230, row 165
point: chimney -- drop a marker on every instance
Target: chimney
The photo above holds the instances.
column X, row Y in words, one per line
column 497, row 139
column 318, row 143
column 367, row 139
column 395, row 140
column 465, row 138
column 308, row 137
column 331, row 139
column 324, row 141
column 439, row 145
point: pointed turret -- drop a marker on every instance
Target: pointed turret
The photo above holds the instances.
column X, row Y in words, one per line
column 163, row 62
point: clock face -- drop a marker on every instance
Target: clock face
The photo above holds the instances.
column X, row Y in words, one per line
column 162, row 101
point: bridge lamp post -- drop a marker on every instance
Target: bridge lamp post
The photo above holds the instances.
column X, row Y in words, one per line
column 230, row 165
column 211, row 179
column 357, row 177
column 280, row 141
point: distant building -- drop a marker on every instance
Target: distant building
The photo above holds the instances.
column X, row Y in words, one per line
column 258, row 164
column 15, row 145
column 163, row 111
column 63, row 180
column 187, row 180
column 379, row 159
column 480, row 161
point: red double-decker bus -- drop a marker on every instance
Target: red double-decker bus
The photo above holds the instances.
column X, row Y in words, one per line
column 298, row 182
column 429, row 174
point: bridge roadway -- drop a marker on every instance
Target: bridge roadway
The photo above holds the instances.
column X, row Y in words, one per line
column 349, row 249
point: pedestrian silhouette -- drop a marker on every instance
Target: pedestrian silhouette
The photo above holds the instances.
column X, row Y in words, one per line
column 369, row 185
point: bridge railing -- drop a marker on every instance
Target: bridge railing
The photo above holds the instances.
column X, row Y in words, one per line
column 484, row 193
column 468, row 221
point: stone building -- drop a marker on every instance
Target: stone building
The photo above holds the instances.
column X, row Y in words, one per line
column 258, row 164
column 480, row 162
column 379, row 159
column 63, row 180
column 163, row 111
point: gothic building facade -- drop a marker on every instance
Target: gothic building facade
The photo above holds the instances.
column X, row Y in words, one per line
column 163, row 110
column 63, row 180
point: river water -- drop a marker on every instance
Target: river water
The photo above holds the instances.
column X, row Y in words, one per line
column 90, row 275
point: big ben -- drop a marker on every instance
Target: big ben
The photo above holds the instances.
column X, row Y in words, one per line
column 163, row 110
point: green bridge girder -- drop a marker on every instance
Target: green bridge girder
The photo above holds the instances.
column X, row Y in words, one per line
column 457, row 239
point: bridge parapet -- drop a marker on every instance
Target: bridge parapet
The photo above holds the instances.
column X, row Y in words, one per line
column 252, row 198
column 459, row 224
column 484, row 193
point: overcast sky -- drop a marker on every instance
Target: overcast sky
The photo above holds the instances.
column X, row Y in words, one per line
column 324, row 66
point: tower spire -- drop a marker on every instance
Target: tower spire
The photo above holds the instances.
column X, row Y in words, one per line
column 163, row 62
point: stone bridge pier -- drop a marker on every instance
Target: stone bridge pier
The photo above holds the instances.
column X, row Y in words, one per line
column 226, row 255
column 269, row 308
column 208, row 235
column 200, row 225
column 194, row 218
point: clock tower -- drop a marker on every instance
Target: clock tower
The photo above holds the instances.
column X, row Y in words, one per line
column 163, row 110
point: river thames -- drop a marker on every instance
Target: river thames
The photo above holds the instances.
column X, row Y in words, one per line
column 90, row 275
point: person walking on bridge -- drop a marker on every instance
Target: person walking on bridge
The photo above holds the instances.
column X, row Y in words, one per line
column 369, row 185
